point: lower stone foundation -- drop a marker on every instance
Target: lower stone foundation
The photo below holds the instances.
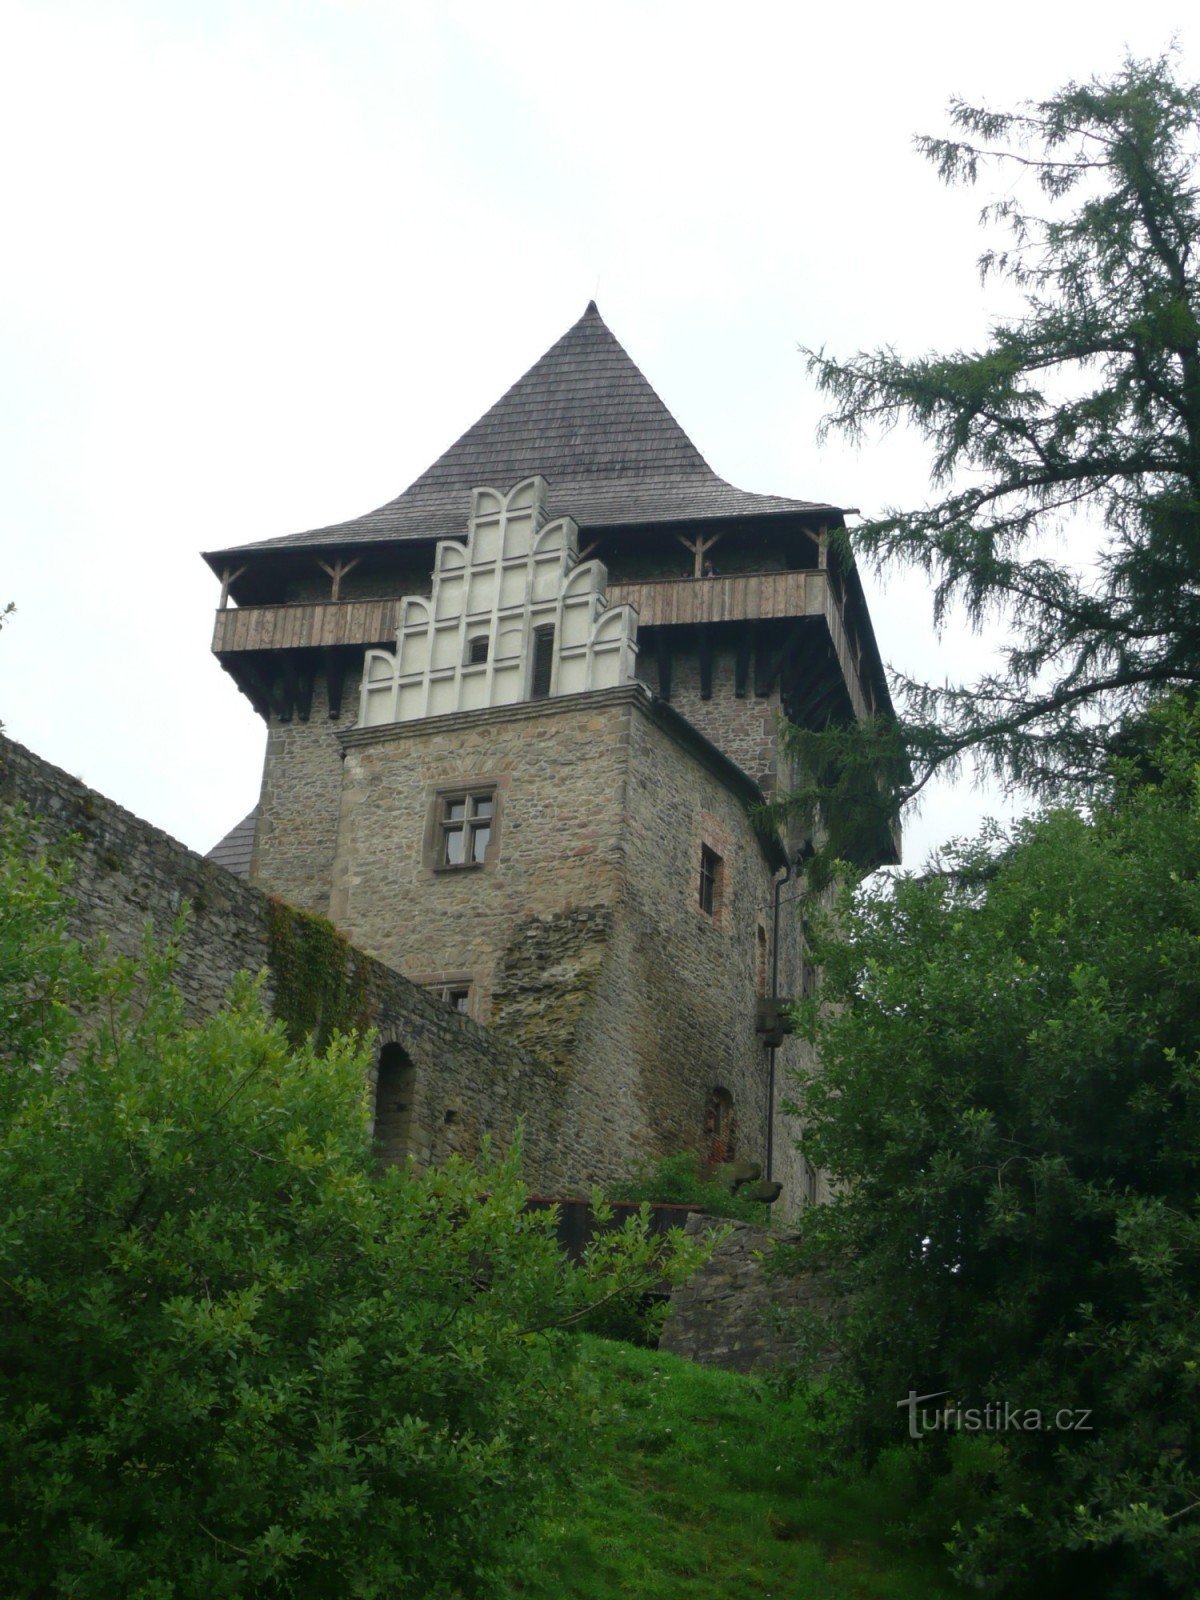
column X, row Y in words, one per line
column 730, row 1313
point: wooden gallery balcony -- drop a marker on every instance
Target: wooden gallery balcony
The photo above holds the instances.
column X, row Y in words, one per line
column 317, row 625
column 276, row 653
column 787, row 629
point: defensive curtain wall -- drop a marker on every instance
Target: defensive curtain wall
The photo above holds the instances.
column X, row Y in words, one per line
column 448, row 1082
column 451, row 1081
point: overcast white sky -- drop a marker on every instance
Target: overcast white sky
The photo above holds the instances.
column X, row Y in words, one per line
column 265, row 260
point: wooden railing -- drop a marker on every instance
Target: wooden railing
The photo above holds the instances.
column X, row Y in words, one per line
column 307, row 625
column 660, row 602
column 738, row 597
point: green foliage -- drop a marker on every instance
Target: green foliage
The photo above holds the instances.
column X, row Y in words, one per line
column 1085, row 403
column 1009, row 1104
column 320, row 979
column 236, row 1359
column 707, row 1485
column 679, row 1180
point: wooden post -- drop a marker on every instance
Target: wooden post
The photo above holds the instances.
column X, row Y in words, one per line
column 699, row 546
column 227, row 578
column 337, row 572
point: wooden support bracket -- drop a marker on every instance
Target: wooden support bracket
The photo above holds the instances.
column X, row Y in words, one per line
column 337, row 572
column 229, row 576
column 304, row 687
column 699, row 546
column 706, row 663
column 256, row 686
column 741, row 667
column 662, row 654
column 285, row 691
column 768, row 663
column 335, row 679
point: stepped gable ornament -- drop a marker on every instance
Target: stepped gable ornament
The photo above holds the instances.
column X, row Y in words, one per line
column 514, row 615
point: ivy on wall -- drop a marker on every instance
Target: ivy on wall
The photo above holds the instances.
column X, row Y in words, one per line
column 320, row 979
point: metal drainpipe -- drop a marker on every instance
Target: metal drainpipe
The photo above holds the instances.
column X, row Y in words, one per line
column 779, row 883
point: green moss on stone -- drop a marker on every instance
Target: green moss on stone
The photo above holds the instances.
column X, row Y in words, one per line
column 320, row 979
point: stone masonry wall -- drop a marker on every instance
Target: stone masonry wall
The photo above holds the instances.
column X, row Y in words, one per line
column 296, row 832
column 468, row 1083
column 729, row 1314
column 693, row 1009
column 531, row 928
column 745, row 729
column 581, row 935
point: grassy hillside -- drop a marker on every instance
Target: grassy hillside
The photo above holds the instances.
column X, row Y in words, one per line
column 703, row 1485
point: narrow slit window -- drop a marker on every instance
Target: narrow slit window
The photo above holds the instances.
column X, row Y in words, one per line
column 710, row 880
column 543, row 663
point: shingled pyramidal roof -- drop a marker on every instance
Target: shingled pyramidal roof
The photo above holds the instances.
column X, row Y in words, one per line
column 586, row 419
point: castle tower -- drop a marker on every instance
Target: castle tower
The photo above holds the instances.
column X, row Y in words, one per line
column 519, row 722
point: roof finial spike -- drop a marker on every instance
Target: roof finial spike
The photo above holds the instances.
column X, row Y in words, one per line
column 593, row 310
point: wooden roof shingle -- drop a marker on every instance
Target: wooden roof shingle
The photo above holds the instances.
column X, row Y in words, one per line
column 234, row 850
column 586, row 419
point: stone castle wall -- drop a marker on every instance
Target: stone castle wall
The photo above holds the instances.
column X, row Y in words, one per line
column 730, row 1313
column 744, row 728
column 468, row 1083
column 693, row 1008
column 296, row 832
column 581, row 935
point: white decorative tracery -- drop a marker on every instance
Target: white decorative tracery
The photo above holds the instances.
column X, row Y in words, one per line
column 515, row 578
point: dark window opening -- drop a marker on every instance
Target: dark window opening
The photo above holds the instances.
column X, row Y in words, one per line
column 719, row 1127
column 477, row 650
column 395, row 1083
column 465, row 828
column 808, row 1181
column 456, row 995
column 543, row 663
column 710, row 880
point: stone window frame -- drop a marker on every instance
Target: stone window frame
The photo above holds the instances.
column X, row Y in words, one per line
column 467, row 789
column 710, row 834
column 444, row 986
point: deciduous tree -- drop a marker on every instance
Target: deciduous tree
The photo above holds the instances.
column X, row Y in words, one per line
column 1009, row 1107
column 235, row 1358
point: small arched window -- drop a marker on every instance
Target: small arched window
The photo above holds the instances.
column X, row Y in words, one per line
column 395, row 1083
column 719, row 1127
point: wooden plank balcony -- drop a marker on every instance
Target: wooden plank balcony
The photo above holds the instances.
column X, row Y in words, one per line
column 737, row 597
column 750, row 597
column 660, row 603
column 317, row 625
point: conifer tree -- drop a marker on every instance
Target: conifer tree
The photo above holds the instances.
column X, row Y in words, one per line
column 1083, row 409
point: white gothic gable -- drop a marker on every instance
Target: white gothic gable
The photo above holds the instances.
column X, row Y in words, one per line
column 514, row 615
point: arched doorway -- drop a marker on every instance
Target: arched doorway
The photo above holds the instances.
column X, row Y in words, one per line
column 395, row 1083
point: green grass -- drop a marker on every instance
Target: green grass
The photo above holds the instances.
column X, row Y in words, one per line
column 704, row 1485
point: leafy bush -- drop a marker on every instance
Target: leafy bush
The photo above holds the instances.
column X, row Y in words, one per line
column 679, row 1180
column 235, row 1358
